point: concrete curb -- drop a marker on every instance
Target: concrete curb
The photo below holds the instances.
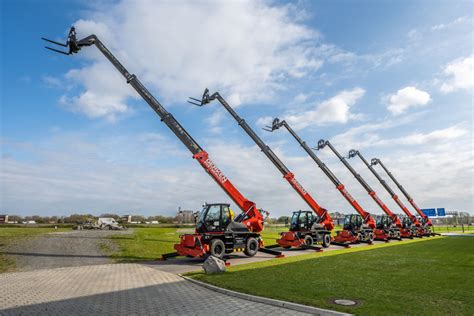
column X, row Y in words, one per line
column 268, row 301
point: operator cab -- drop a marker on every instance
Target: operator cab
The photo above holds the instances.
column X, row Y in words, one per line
column 217, row 218
column 383, row 222
column 353, row 222
column 302, row 220
column 422, row 220
column 406, row 222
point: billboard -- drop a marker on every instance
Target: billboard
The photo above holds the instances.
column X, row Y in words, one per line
column 429, row 212
column 441, row 211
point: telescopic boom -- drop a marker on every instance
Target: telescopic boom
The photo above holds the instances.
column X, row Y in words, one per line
column 251, row 216
column 375, row 161
column 325, row 218
column 367, row 218
column 353, row 153
column 365, row 215
column 370, row 191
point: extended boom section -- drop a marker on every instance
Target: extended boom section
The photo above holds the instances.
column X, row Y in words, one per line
column 426, row 220
column 418, row 231
column 370, row 226
column 217, row 232
column 346, row 235
column 324, row 218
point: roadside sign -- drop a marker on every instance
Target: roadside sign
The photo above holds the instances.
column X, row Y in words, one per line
column 441, row 211
column 429, row 212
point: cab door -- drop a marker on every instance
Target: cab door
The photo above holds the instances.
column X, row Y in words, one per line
column 213, row 219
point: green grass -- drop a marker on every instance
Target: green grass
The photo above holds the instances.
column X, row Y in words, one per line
column 145, row 243
column 11, row 235
column 452, row 229
column 421, row 277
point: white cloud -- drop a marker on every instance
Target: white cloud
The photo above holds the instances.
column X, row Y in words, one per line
column 76, row 173
column 53, row 82
column 300, row 98
column 440, row 135
column 461, row 75
column 333, row 110
column 214, row 120
column 406, row 98
column 244, row 49
column 104, row 95
column 443, row 26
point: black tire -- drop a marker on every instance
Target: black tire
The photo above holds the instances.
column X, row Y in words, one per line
column 251, row 248
column 326, row 240
column 217, row 248
column 371, row 237
column 308, row 240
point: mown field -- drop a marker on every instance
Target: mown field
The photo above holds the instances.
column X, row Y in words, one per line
column 11, row 235
column 422, row 277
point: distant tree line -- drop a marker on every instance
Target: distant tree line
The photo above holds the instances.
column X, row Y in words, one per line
column 75, row 218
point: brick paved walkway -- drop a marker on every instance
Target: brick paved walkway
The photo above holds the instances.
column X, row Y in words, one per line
column 116, row 289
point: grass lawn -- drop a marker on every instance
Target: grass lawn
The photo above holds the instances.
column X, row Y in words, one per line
column 145, row 243
column 10, row 235
column 451, row 229
column 420, row 277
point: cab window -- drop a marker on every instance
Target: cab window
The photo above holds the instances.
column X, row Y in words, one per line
column 213, row 213
column 226, row 218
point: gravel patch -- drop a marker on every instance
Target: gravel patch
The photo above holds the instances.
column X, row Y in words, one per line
column 63, row 249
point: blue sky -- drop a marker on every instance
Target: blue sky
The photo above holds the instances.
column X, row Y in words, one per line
column 393, row 79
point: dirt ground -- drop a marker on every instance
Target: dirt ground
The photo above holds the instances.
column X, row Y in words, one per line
column 62, row 249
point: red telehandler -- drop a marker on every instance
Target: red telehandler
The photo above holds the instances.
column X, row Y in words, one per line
column 351, row 234
column 413, row 224
column 425, row 221
column 390, row 222
column 305, row 228
column 357, row 226
column 216, row 233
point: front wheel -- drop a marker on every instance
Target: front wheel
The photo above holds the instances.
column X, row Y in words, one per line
column 251, row 248
column 217, row 248
column 308, row 240
column 326, row 240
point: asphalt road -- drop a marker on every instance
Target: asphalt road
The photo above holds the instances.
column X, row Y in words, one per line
column 62, row 249
column 183, row 265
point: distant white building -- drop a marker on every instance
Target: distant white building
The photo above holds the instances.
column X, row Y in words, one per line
column 3, row 219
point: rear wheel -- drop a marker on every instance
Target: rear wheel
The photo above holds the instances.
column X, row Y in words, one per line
column 308, row 240
column 217, row 248
column 371, row 237
column 326, row 240
column 251, row 248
